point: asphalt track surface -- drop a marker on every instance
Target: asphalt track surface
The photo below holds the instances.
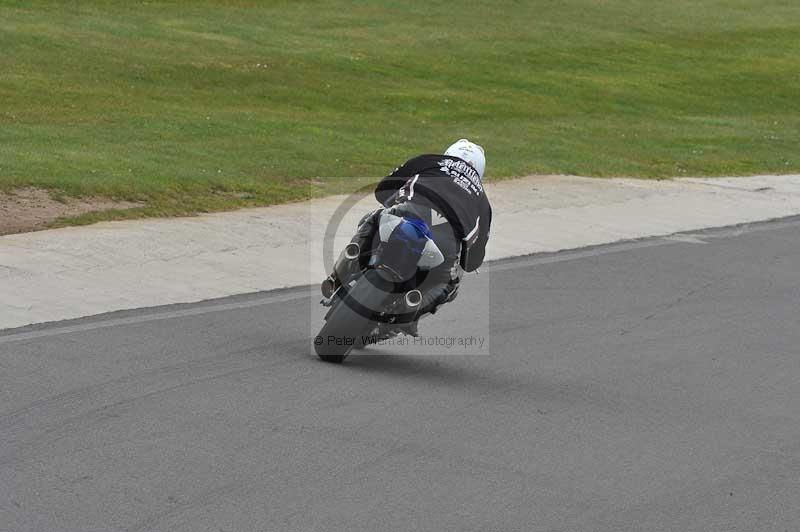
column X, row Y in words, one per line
column 652, row 385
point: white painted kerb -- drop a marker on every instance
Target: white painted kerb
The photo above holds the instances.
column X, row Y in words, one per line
column 80, row 271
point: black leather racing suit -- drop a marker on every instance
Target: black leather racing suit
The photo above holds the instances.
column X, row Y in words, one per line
column 447, row 194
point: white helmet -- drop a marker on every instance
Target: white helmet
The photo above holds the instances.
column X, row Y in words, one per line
column 469, row 152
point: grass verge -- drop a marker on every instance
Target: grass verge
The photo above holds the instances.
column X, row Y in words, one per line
column 200, row 106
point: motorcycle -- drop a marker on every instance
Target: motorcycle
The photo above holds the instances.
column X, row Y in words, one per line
column 374, row 294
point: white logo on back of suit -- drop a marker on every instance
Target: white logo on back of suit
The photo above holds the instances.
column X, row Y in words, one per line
column 464, row 175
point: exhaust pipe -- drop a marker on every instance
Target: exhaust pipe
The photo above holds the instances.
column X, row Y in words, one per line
column 413, row 298
column 352, row 251
column 328, row 287
column 347, row 263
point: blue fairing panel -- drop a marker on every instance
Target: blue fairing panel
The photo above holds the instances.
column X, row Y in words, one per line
column 407, row 245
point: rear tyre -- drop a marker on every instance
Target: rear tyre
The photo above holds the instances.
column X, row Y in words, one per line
column 349, row 319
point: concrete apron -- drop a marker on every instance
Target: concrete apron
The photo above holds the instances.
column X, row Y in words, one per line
column 80, row 271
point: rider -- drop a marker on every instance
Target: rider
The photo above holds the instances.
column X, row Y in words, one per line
column 446, row 192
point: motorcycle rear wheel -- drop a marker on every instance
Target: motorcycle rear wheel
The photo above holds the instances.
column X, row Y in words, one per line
column 348, row 321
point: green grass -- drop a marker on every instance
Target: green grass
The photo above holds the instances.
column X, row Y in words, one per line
column 194, row 106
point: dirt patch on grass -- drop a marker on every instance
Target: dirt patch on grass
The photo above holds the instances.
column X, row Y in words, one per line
column 33, row 209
